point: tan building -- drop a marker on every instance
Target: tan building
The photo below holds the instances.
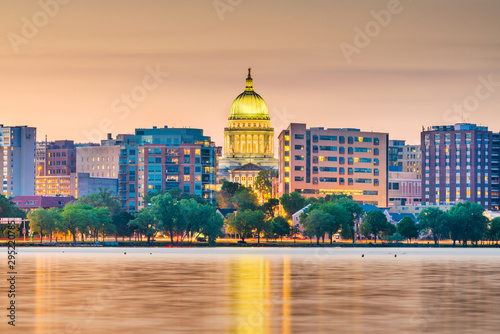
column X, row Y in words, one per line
column 248, row 137
column 411, row 159
column 316, row 162
column 53, row 185
column 405, row 188
column 98, row 161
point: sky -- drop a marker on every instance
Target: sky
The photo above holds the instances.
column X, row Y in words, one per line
column 79, row 69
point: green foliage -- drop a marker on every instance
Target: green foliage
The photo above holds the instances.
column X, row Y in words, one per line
column 467, row 222
column 375, row 222
column 144, row 223
column 408, row 228
column 292, row 203
column 263, row 182
column 246, row 223
column 436, row 222
column 9, row 210
column 43, row 222
column 280, row 227
column 494, row 230
column 317, row 222
column 270, row 207
column 245, row 199
column 120, row 221
column 101, row 199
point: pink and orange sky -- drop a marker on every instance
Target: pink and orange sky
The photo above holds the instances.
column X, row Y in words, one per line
column 70, row 73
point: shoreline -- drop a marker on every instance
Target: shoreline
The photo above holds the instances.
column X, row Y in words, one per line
column 144, row 244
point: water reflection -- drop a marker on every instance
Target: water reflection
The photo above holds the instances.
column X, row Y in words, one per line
column 257, row 291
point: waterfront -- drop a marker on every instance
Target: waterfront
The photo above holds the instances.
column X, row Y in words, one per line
column 253, row 290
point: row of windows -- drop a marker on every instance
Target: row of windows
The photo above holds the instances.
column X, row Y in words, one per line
column 341, row 139
column 341, row 160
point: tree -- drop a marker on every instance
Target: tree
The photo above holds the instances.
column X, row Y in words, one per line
column 43, row 222
column 280, row 227
column 164, row 209
column 103, row 198
column 407, row 228
column 240, row 223
column 144, row 223
column 495, row 229
column 341, row 219
column 292, row 203
column 120, row 221
column 373, row 223
column 270, row 207
column 263, row 182
column 75, row 219
column 355, row 210
column 9, row 210
column 468, row 222
column 245, row 199
column 211, row 224
column 435, row 222
column 317, row 222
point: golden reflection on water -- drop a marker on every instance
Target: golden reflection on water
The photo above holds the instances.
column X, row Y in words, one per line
column 256, row 291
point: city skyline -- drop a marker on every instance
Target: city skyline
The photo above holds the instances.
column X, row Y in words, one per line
column 310, row 64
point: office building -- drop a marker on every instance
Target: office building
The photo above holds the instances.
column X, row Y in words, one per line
column 318, row 161
column 457, row 164
column 17, row 149
column 160, row 159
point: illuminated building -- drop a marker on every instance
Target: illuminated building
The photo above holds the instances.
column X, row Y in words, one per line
column 460, row 163
column 160, row 159
column 248, row 137
column 411, row 160
column 17, row 149
column 318, row 162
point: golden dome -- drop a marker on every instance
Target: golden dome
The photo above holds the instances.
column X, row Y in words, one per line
column 249, row 104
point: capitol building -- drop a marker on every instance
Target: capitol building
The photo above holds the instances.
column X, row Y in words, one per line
column 248, row 138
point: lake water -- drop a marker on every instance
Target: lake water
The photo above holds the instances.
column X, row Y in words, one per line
column 254, row 290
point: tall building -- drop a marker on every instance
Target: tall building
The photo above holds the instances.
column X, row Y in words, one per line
column 248, row 137
column 457, row 164
column 165, row 158
column 60, row 158
column 98, row 161
column 495, row 173
column 55, row 161
column 17, row 147
column 317, row 162
column 394, row 152
column 410, row 160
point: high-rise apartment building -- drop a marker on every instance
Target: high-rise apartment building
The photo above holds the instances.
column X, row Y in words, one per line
column 165, row 158
column 17, row 149
column 457, row 164
column 318, row 161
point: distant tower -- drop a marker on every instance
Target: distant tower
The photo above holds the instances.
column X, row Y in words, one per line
column 248, row 137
